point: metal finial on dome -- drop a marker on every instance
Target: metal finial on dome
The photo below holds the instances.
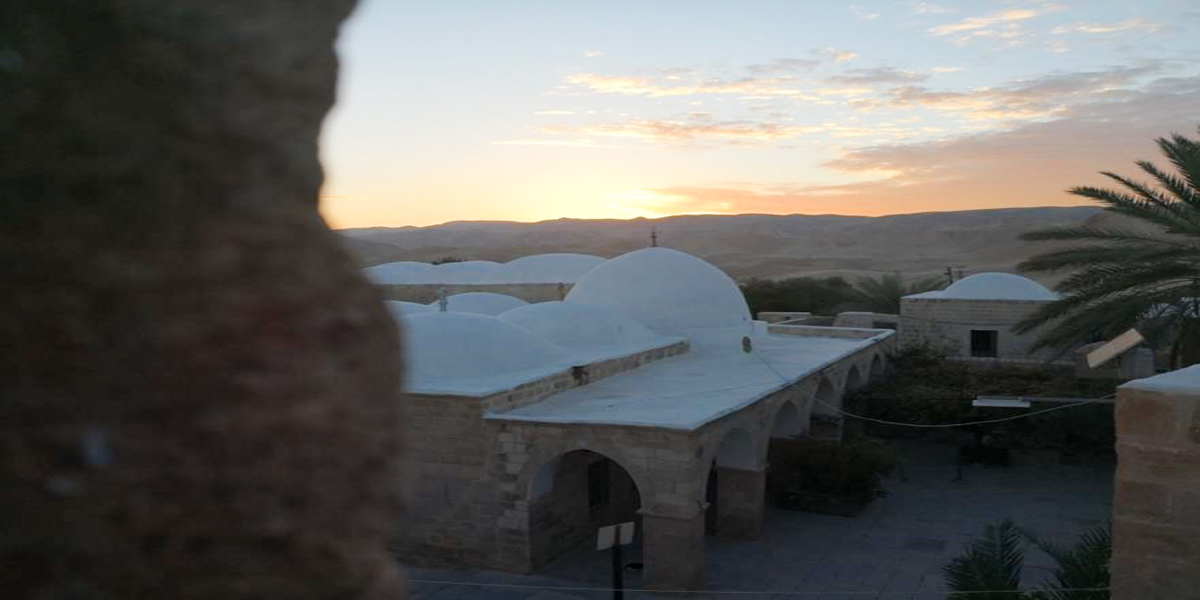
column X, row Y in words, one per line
column 653, row 237
column 443, row 300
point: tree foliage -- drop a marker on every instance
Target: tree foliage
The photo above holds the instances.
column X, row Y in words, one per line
column 991, row 563
column 882, row 294
column 1123, row 276
column 807, row 294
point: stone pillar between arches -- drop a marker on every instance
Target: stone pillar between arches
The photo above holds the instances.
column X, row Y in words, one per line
column 673, row 551
column 740, row 496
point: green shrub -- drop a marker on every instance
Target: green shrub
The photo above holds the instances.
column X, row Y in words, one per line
column 850, row 470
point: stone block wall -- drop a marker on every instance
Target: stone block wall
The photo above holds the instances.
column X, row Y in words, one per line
column 866, row 320
column 832, row 332
column 1156, row 504
column 424, row 293
column 946, row 324
column 779, row 317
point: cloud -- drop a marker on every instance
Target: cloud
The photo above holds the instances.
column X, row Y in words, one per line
column 784, row 65
column 929, row 8
column 837, row 55
column 592, row 53
column 677, row 85
column 1031, row 164
column 576, row 143
column 690, row 130
column 877, row 75
column 553, row 112
column 1096, row 28
column 1032, row 98
column 863, row 13
column 1004, row 25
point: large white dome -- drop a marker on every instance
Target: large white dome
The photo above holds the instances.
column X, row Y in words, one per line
column 664, row 289
column 469, row 271
column 997, row 286
column 397, row 272
column 544, row 268
column 449, row 347
column 401, row 308
column 576, row 325
column 484, row 303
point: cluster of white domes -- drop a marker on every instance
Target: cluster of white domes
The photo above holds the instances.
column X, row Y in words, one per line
column 632, row 300
column 994, row 286
column 539, row 268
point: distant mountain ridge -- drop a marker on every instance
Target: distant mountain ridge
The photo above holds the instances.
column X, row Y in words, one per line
column 768, row 246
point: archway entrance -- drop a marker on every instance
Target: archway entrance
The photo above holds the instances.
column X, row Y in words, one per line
column 573, row 495
column 734, row 490
column 826, row 422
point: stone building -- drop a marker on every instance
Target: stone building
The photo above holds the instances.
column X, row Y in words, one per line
column 972, row 320
column 647, row 395
column 537, row 278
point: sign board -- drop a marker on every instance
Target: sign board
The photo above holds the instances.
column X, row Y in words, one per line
column 1000, row 402
column 620, row 534
column 1114, row 348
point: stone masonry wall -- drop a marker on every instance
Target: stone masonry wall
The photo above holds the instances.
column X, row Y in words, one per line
column 946, row 324
column 1156, row 504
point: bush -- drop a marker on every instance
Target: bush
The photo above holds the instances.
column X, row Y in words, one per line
column 850, row 471
column 927, row 389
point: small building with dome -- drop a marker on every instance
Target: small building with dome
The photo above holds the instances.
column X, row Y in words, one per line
column 646, row 394
column 972, row 320
column 536, row 278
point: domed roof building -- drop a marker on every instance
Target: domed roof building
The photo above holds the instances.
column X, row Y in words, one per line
column 397, row 272
column 665, row 289
column 973, row 319
column 484, row 303
column 544, row 268
column 467, row 271
column 579, row 325
column 615, row 404
column 466, row 351
column 995, row 286
column 402, row 309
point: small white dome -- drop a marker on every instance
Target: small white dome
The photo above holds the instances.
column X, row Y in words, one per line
column 544, row 268
column 394, row 273
column 997, row 286
column 575, row 325
column 484, row 303
column 401, row 308
column 664, row 289
column 469, row 271
column 448, row 346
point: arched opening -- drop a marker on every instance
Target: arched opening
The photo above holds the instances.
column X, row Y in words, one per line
column 854, row 379
column 787, row 422
column 734, row 488
column 826, row 420
column 878, row 369
column 574, row 494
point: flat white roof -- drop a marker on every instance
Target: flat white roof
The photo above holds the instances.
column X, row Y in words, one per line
column 689, row 390
column 1185, row 380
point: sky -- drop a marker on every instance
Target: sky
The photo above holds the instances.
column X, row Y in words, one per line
column 529, row 110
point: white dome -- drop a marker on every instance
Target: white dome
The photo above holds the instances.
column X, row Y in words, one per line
column 664, row 289
column 484, row 303
column 451, row 347
column 394, row 273
column 544, row 268
column 470, row 271
column 572, row 324
column 997, row 286
column 401, row 308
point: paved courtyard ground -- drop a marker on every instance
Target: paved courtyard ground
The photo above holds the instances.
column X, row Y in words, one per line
column 895, row 550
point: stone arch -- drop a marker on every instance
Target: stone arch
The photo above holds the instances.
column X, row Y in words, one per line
column 878, row 368
column 737, row 451
column 826, row 398
column 787, row 421
column 853, row 381
column 571, row 494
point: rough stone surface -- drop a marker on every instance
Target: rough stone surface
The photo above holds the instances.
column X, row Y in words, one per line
column 1156, row 523
column 199, row 391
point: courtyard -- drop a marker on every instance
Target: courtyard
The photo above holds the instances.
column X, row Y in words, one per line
column 894, row 550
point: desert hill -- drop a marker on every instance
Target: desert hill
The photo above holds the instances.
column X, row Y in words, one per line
column 769, row 246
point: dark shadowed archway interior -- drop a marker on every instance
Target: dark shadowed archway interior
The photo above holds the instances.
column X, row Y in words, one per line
column 572, row 496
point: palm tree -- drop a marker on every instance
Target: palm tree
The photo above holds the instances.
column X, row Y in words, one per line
column 991, row 563
column 1122, row 275
column 882, row 294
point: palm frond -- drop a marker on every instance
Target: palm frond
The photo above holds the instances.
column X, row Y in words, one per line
column 991, row 563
